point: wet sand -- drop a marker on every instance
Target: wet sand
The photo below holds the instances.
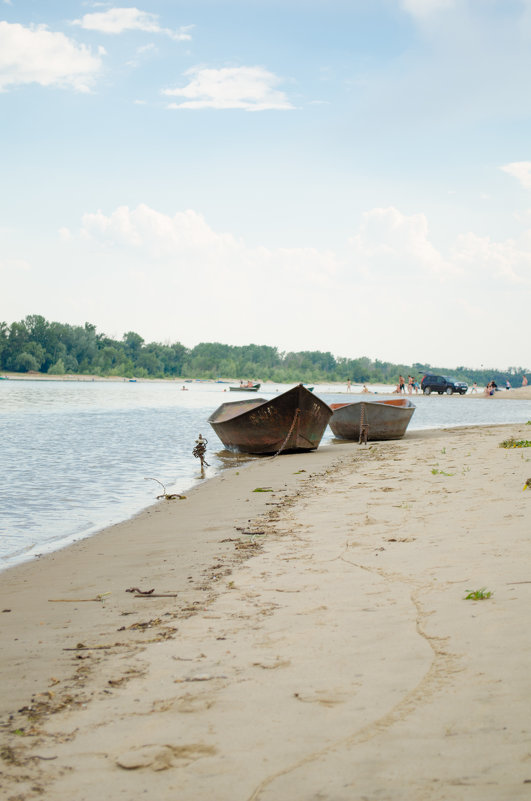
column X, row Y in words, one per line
column 308, row 642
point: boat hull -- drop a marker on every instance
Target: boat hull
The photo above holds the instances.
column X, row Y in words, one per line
column 254, row 388
column 293, row 421
column 382, row 419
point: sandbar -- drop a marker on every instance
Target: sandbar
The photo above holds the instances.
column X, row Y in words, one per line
column 311, row 640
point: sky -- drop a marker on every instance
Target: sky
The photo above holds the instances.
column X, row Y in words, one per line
column 351, row 176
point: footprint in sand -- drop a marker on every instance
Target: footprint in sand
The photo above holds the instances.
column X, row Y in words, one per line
column 162, row 757
column 327, row 698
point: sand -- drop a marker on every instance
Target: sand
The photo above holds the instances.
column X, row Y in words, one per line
column 315, row 642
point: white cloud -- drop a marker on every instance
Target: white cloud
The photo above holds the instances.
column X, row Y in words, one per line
column 521, row 170
column 185, row 242
column 507, row 262
column 154, row 232
column 395, row 248
column 247, row 88
column 390, row 243
column 118, row 20
column 142, row 54
column 389, row 247
column 14, row 265
column 172, row 272
column 37, row 55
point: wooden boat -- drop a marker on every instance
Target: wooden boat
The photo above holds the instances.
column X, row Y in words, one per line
column 293, row 421
column 366, row 420
column 249, row 387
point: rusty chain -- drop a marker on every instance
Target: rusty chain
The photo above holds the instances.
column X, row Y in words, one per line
column 364, row 427
column 295, row 416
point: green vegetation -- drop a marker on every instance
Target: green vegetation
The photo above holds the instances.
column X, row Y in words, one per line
column 515, row 443
column 436, row 472
column 36, row 345
column 478, row 595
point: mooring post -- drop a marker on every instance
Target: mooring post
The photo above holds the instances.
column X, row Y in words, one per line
column 199, row 452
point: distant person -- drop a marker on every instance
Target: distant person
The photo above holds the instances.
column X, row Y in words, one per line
column 507, row 384
column 524, row 381
column 348, row 385
column 365, row 388
column 410, row 384
column 401, row 384
column 474, row 387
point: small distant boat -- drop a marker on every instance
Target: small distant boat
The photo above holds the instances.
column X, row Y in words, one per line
column 248, row 387
column 293, row 421
column 370, row 420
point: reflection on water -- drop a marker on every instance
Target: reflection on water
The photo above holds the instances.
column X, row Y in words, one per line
column 75, row 454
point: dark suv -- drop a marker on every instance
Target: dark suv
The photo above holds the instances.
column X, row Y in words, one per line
column 440, row 383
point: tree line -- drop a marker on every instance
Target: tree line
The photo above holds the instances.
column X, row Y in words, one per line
column 35, row 345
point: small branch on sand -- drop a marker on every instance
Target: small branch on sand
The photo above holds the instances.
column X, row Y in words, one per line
column 100, row 598
column 165, row 495
column 37, row 756
column 150, row 593
column 81, row 647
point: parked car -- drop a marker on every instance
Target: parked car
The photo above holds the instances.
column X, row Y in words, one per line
column 440, row 383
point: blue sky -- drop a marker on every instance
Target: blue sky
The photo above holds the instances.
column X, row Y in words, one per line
column 315, row 175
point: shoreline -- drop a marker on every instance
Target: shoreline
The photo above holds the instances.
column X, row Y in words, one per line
column 339, row 387
column 296, row 639
column 53, row 546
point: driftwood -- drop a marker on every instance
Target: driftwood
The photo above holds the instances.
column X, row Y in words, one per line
column 150, row 593
column 99, row 598
column 167, row 496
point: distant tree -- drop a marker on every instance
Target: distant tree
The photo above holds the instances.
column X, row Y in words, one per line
column 24, row 362
column 3, row 342
column 36, row 344
column 58, row 368
column 132, row 344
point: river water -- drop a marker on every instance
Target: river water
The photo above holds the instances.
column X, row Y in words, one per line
column 75, row 455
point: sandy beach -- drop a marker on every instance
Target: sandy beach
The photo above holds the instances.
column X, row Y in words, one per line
column 308, row 641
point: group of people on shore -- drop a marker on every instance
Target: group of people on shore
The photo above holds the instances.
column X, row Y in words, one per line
column 413, row 386
column 492, row 386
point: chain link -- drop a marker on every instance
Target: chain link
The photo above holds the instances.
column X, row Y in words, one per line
column 295, row 416
column 364, row 427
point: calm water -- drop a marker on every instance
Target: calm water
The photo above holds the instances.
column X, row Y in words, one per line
column 75, row 454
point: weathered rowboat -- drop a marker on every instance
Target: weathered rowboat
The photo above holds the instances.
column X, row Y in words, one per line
column 293, row 421
column 245, row 388
column 366, row 420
